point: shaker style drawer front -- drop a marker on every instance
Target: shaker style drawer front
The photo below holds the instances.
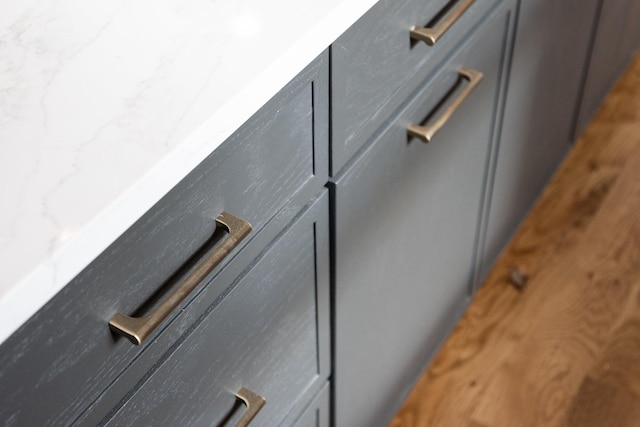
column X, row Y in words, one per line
column 407, row 228
column 384, row 57
column 317, row 413
column 269, row 335
column 66, row 355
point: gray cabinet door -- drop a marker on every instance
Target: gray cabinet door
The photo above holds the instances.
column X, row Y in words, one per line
column 407, row 217
column 549, row 60
column 617, row 38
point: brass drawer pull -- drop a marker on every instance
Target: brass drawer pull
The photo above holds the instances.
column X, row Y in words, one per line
column 430, row 35
column 427, row 132
column 136, row 329
column 254, row 403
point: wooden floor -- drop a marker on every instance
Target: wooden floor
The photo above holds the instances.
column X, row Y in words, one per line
column 564, row 351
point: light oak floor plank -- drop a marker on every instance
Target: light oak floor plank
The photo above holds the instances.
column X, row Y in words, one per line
column 565, row 351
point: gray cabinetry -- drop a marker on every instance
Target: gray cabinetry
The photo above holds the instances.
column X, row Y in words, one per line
column 547, row 73
column 65, row 356
column 406, row 228
column 268, row 333
column 376, row 65
column 617, row 37
column 413, row 226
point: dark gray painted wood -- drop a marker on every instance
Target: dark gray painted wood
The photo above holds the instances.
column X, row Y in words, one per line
column 375, row 67
column 174, row 334
column 617, row 38
column 65, row 355
column 547, row 73
column 406, row 228
column 317, row 413
column 269, row 334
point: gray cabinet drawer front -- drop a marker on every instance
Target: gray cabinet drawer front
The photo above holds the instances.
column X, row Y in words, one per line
column 407, row 225
column 65, row 355
column 269, row 334
column 375, row 66
column 317, row 413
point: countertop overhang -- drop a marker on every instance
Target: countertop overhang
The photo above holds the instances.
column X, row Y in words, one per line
column 105, row 106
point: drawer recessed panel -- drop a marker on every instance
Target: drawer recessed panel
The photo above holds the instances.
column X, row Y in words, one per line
column 376, row 64
column 65, row 355
column 267, row 335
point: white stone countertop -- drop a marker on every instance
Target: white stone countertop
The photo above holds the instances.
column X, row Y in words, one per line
column 105, row 106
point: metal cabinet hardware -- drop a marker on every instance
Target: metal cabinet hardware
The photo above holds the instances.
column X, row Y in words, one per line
column 427, row 132
column 430, row 35
column 254, row 403
column 136, row 329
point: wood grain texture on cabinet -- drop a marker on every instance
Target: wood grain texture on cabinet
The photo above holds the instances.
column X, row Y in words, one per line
column 269, row 332
column 376, row 66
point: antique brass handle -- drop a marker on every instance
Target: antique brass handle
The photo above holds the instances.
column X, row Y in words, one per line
column 254, row 403
column 136, row 329
column 430, row 35
column 427, row 132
